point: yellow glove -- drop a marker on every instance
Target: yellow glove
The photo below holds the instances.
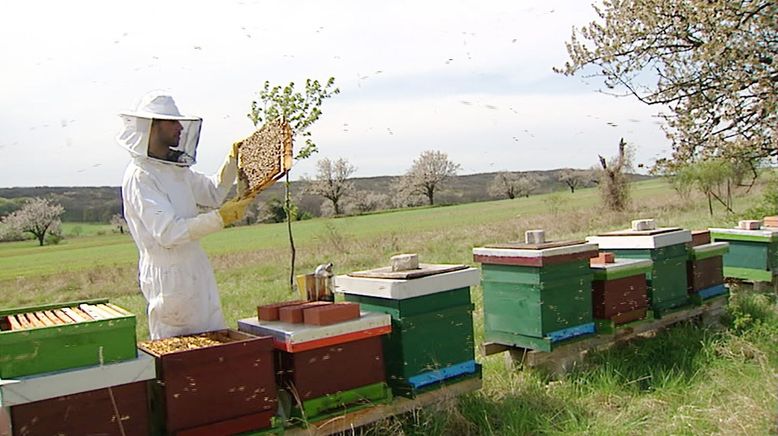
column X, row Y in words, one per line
column 234, row 210
column 234, row 150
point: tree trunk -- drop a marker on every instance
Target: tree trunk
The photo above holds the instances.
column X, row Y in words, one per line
column 288, row 208
column 710, row 204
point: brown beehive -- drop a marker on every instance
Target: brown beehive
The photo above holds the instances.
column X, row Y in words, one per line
column 264, row 156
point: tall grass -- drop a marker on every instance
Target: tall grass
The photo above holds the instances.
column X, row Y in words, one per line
column 686, row 380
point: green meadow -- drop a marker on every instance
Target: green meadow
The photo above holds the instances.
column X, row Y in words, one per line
column 686, row 380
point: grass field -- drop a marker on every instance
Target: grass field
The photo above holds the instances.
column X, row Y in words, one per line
column 685, row 381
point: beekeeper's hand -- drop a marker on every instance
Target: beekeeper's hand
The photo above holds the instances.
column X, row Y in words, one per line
column 234, row 149
column 234, row 210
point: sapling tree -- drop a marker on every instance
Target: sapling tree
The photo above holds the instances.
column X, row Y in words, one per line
column 300, row 109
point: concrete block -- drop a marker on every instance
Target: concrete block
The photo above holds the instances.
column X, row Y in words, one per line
column 535, row 236
column 749, row 224
column 405, row 262
column 643, row 225
column 770, row 221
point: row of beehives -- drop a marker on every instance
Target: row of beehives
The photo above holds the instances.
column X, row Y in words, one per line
column 539, row 294
column 414, row 335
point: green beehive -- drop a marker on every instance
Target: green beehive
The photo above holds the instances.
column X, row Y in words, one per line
column 667, row 248
column 753, row 254
column 45, row 342
column 432, row 324
column 536, row 294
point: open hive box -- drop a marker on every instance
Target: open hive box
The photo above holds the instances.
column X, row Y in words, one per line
column 265, row 156
column 219, row 382
column 536, row 293
column 431, row 342
column 39, row 339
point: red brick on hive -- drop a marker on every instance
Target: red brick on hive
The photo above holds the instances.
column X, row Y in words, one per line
column 330, row 314
column 269, row 312
column 602, row 258
column 294, row 314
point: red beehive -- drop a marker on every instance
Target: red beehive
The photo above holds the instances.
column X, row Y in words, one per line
column 90, row 412
column 327, row 370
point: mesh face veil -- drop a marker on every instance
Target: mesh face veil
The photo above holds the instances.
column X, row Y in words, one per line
column 137, row 124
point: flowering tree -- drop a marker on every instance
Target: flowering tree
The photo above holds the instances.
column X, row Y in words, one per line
column 512, row 185
column 118, row 221
column 713, row 64
column 332, row 182
column 427, row 174
column 38, row 216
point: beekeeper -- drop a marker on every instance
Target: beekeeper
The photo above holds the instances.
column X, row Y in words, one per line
column 163, row 198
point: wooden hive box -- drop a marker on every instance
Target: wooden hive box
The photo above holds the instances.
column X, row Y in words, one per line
column 432, row 325
column 80, row 401
column 216, row 386
column 536, row 295
column 327, row 370
column 752, row 255
column 327, row 364
column 38, row 350
column 667, row 249
column 620, row 290
column 705, row 271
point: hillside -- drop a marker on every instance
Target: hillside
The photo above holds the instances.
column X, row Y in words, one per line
column 98, row 204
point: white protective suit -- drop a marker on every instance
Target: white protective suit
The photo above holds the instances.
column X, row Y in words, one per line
column 161, row 201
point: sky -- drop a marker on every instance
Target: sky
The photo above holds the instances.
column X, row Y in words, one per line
column 472, row 79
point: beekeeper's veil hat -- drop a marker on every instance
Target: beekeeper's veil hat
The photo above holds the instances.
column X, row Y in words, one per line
column 137, row 126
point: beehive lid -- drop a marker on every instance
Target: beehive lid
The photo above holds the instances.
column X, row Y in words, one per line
column 293, row 337
column 712, row 249
column 424, row 270
column 620, row 264
column 534, row 255
column 28, row 389
column 439, row 280
column 761, row 235
column 630, row 232
column 541, row 246
column 641, row 239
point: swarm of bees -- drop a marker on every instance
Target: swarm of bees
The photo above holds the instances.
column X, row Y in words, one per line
column 264, row 157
